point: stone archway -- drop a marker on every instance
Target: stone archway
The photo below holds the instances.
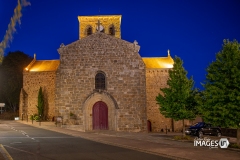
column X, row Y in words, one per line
column 88, row 108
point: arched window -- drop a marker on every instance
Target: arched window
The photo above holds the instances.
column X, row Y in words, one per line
column 100, row 81
column 111, row 30
column 89, row 30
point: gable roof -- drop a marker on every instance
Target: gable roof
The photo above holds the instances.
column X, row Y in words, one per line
column 52, row 65
column 96, row 38
column 158, row 62
column 42, row 65
column 98, row 41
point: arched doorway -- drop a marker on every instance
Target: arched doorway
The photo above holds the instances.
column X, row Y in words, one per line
column 112, row 108
column 100, row 116
column 149, row 125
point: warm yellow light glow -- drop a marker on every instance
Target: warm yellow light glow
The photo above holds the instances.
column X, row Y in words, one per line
column 169, row 65
column 26, row 69
column 105, row 20
column 159, row 62
column 44, row 65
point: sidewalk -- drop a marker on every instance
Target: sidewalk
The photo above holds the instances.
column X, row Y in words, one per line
column 153, row 143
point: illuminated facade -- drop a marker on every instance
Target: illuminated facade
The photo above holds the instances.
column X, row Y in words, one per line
column 101, row 80
column 110, row 24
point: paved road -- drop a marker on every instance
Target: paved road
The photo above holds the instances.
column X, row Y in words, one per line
column 25, row 142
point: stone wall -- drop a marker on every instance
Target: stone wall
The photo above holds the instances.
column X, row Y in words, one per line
column 125, row 81
column 32, row 81
column 156, row 79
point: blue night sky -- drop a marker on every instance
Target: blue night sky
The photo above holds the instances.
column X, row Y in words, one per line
column 192, row 29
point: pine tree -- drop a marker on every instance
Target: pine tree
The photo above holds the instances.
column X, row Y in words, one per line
column 222, row 89
column 176, row 101
column 40, row 105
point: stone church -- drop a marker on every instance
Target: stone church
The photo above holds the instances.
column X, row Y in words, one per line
column 100, row 82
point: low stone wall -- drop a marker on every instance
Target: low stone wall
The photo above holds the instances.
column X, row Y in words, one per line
column 9, row 115
column 229, row 132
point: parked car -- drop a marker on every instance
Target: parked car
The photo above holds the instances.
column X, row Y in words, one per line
column 201, row 128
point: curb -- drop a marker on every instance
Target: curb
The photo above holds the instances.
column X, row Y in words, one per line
column 123, row 146
column 119, row 145
column 113, row 144
column 5, row 153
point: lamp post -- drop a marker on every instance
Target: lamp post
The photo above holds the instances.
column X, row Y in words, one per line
column 165, row 126
column 32, row 118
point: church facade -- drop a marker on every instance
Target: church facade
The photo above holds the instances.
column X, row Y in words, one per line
column 100, row 82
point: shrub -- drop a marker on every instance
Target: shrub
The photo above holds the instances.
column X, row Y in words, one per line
column 35, row 117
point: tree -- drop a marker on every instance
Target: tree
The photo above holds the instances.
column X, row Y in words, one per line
column 199, row 102
column 177, row 99
column 40, row 105
column 11, row 78
column 222, row 90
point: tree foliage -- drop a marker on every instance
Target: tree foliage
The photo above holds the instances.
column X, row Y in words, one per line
column 11, row 78
column 222, row 90
column 177, row 100
column 40, row 105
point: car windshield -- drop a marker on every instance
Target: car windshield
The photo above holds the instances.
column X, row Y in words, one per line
column 198, row 124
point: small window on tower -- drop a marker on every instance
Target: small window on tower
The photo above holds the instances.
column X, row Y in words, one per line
column 89, row 30
column 112, row 30
column 100, row 81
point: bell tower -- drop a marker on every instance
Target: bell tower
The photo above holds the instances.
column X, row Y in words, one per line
column 109, row 24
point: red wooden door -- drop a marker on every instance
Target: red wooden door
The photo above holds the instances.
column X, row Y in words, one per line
column 100, row 116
